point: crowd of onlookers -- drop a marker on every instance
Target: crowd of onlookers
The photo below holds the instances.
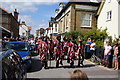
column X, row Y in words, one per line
column 110, row 55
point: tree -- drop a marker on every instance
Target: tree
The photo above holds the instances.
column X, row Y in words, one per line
column 73, row 35
column 98, row 35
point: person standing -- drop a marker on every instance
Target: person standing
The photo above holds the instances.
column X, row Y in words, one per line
column 87, row 49
column 107, row 54
column 115, row 57
column 92, row 48
column 71, row 53
column 80, row 53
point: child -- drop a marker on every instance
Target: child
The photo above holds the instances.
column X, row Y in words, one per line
column 115, row 56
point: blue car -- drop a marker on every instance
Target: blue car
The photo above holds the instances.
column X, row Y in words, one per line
column 22, row 48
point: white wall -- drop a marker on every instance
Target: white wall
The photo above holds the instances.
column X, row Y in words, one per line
column 119, row 20
column 111, row 25
column 54, row 31
column 23, row 29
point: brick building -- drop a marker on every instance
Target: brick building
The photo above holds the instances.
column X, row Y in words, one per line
column 9, row 22
column 79, row 16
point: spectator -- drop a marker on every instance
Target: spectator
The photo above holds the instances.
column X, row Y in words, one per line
column 87, row 49
column 93, row 47
column 78, row 75
column 115, row 56
column 32, row 41
column 107, row 54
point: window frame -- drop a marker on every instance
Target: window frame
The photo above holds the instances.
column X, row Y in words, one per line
column 109, row 15
column 55, row 27
column 86, row 20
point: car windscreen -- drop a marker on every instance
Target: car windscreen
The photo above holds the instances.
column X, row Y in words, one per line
column 17, row 46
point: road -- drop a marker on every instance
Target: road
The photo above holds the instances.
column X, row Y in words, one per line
column 63, row 72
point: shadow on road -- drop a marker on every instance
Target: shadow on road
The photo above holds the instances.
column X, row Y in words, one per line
column 75, row 66
column 32, row 79
column 47, row 79
column 36, row 66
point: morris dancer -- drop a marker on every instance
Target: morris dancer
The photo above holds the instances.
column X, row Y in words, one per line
column 71, row 53
column 42, row 46
column 80, row 53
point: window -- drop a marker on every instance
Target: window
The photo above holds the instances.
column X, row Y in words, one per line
column 86, row 19
column 55, row 27
column 109, row 15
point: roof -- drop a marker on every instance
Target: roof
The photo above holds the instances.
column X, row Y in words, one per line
column 5, row 10
column 48, row 28
column 4, row 29
column 100, row 8
column 69, row 3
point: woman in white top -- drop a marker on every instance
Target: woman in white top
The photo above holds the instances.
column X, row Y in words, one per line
column 107, row 54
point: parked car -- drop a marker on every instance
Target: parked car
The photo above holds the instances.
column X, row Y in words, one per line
column 12, row 66
column 23, row 49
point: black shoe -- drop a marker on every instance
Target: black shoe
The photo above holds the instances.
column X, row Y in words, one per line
column 78, row 65
column 61, row 63
column 82, row 64
column 45, row 67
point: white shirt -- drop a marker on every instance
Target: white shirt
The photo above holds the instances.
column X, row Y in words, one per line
column 107, row 48
column 93, row 46
column 32, row 42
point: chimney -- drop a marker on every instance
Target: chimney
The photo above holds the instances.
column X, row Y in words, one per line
column 57, row 10
column 16, row 14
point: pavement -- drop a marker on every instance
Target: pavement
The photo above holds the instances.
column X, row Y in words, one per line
column 92, row 70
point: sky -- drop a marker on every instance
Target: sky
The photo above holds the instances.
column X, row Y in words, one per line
column 35, row 14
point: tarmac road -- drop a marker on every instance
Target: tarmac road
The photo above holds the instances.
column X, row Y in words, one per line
column 63, row 72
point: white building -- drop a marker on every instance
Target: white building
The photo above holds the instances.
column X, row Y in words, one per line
column 108, row 17
column 23, row 30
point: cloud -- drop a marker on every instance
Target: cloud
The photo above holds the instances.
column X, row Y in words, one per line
column 33, row 1
column 22, row 7
column 29, row 6
column 42, row 25
column 29, row 22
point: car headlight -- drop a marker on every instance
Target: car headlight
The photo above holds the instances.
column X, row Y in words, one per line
column 26, row 57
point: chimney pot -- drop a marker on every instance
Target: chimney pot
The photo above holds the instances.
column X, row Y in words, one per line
column 16, row 14
column 15, row 10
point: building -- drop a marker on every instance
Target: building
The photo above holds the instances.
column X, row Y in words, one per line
column 48, row 32
column 53, row 27
column 108, row 17
column 9, row 22
column 40, row 32
column 23, row 30
column 79, row 16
